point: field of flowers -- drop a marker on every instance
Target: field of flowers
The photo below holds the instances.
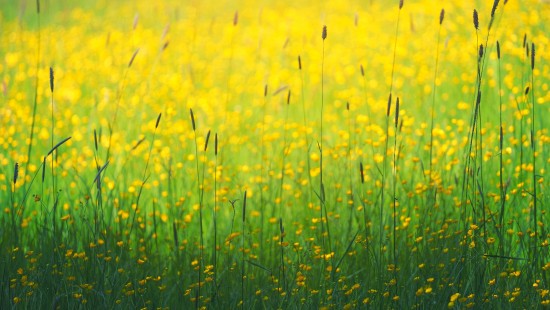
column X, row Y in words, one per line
column 274, row 154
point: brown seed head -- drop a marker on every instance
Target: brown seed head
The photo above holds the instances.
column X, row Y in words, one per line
column 51, row 79
column 532, row 56
column 362, row 173
column 324, row 34
column 441, row 16
column 389, row 106
column 400, row 4
column 288, row 98
column 397, row 112
column 495, row 4
column 216, row 144
column 206, row 141
column 133, row 57
column 15, row 173
column 476, row 20
column 236, row 18
column 498, row 50
column 158, row 121
column 192, row 119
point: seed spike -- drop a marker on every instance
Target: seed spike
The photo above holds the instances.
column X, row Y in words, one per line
column 498, row 50
column 15, row 173
column 389, row 106
column 362, row 70
column 324, row 34
column 51, row 79
column 495, row 4
column 397, row 112
column 206, row 141
column 362, row 173
column 441, row 16
column 288, row 98
column 299, row 63
column 236, row 18
column 216, row 144
column 400, row 4
column 38, row 6
column 532, row 56
column 524, row 39
column 133, row 57
column 158, row 121
column 476, row 20
column 265, row 90
column 480, row 51
column 192, row 118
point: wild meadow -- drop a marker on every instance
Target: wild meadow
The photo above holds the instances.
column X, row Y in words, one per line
column 274, row 154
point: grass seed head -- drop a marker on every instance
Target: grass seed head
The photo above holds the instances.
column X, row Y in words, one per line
column 495, row 4
column 480, row 51
column 288, row 98
column 324, row 34
column 192, row 118
column 476, row 20
column 158, row 121
column 396, row 112
column 362, row 71
column 389, row 106
column 441, row 16
column 15, row 173
column 532, row 56
column 400, row 4
column 236, row 18
column 216, row 144
column 51, row 79
column 299, row 63
column 362, row 173
column 206, row 141
column 498, row 50
column 133, row 57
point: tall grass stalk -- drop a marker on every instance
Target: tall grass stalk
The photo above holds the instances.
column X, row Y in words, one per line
column 394, row 174
column 324, row 219
column 285, row 152
column 351, row 200
column 534, row 152
column 306, row 124
column 501, row 150
column 430, row 164
column 215, row 215
column 243, row 252
column 200, row 194
column 36, row 83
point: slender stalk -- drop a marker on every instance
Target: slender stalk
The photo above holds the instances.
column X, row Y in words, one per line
column 36, row 81
column 394, row 173
column 243, row 252
column 441, row 17
column 534, row 152
column 200, row 191
column 501, row 142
